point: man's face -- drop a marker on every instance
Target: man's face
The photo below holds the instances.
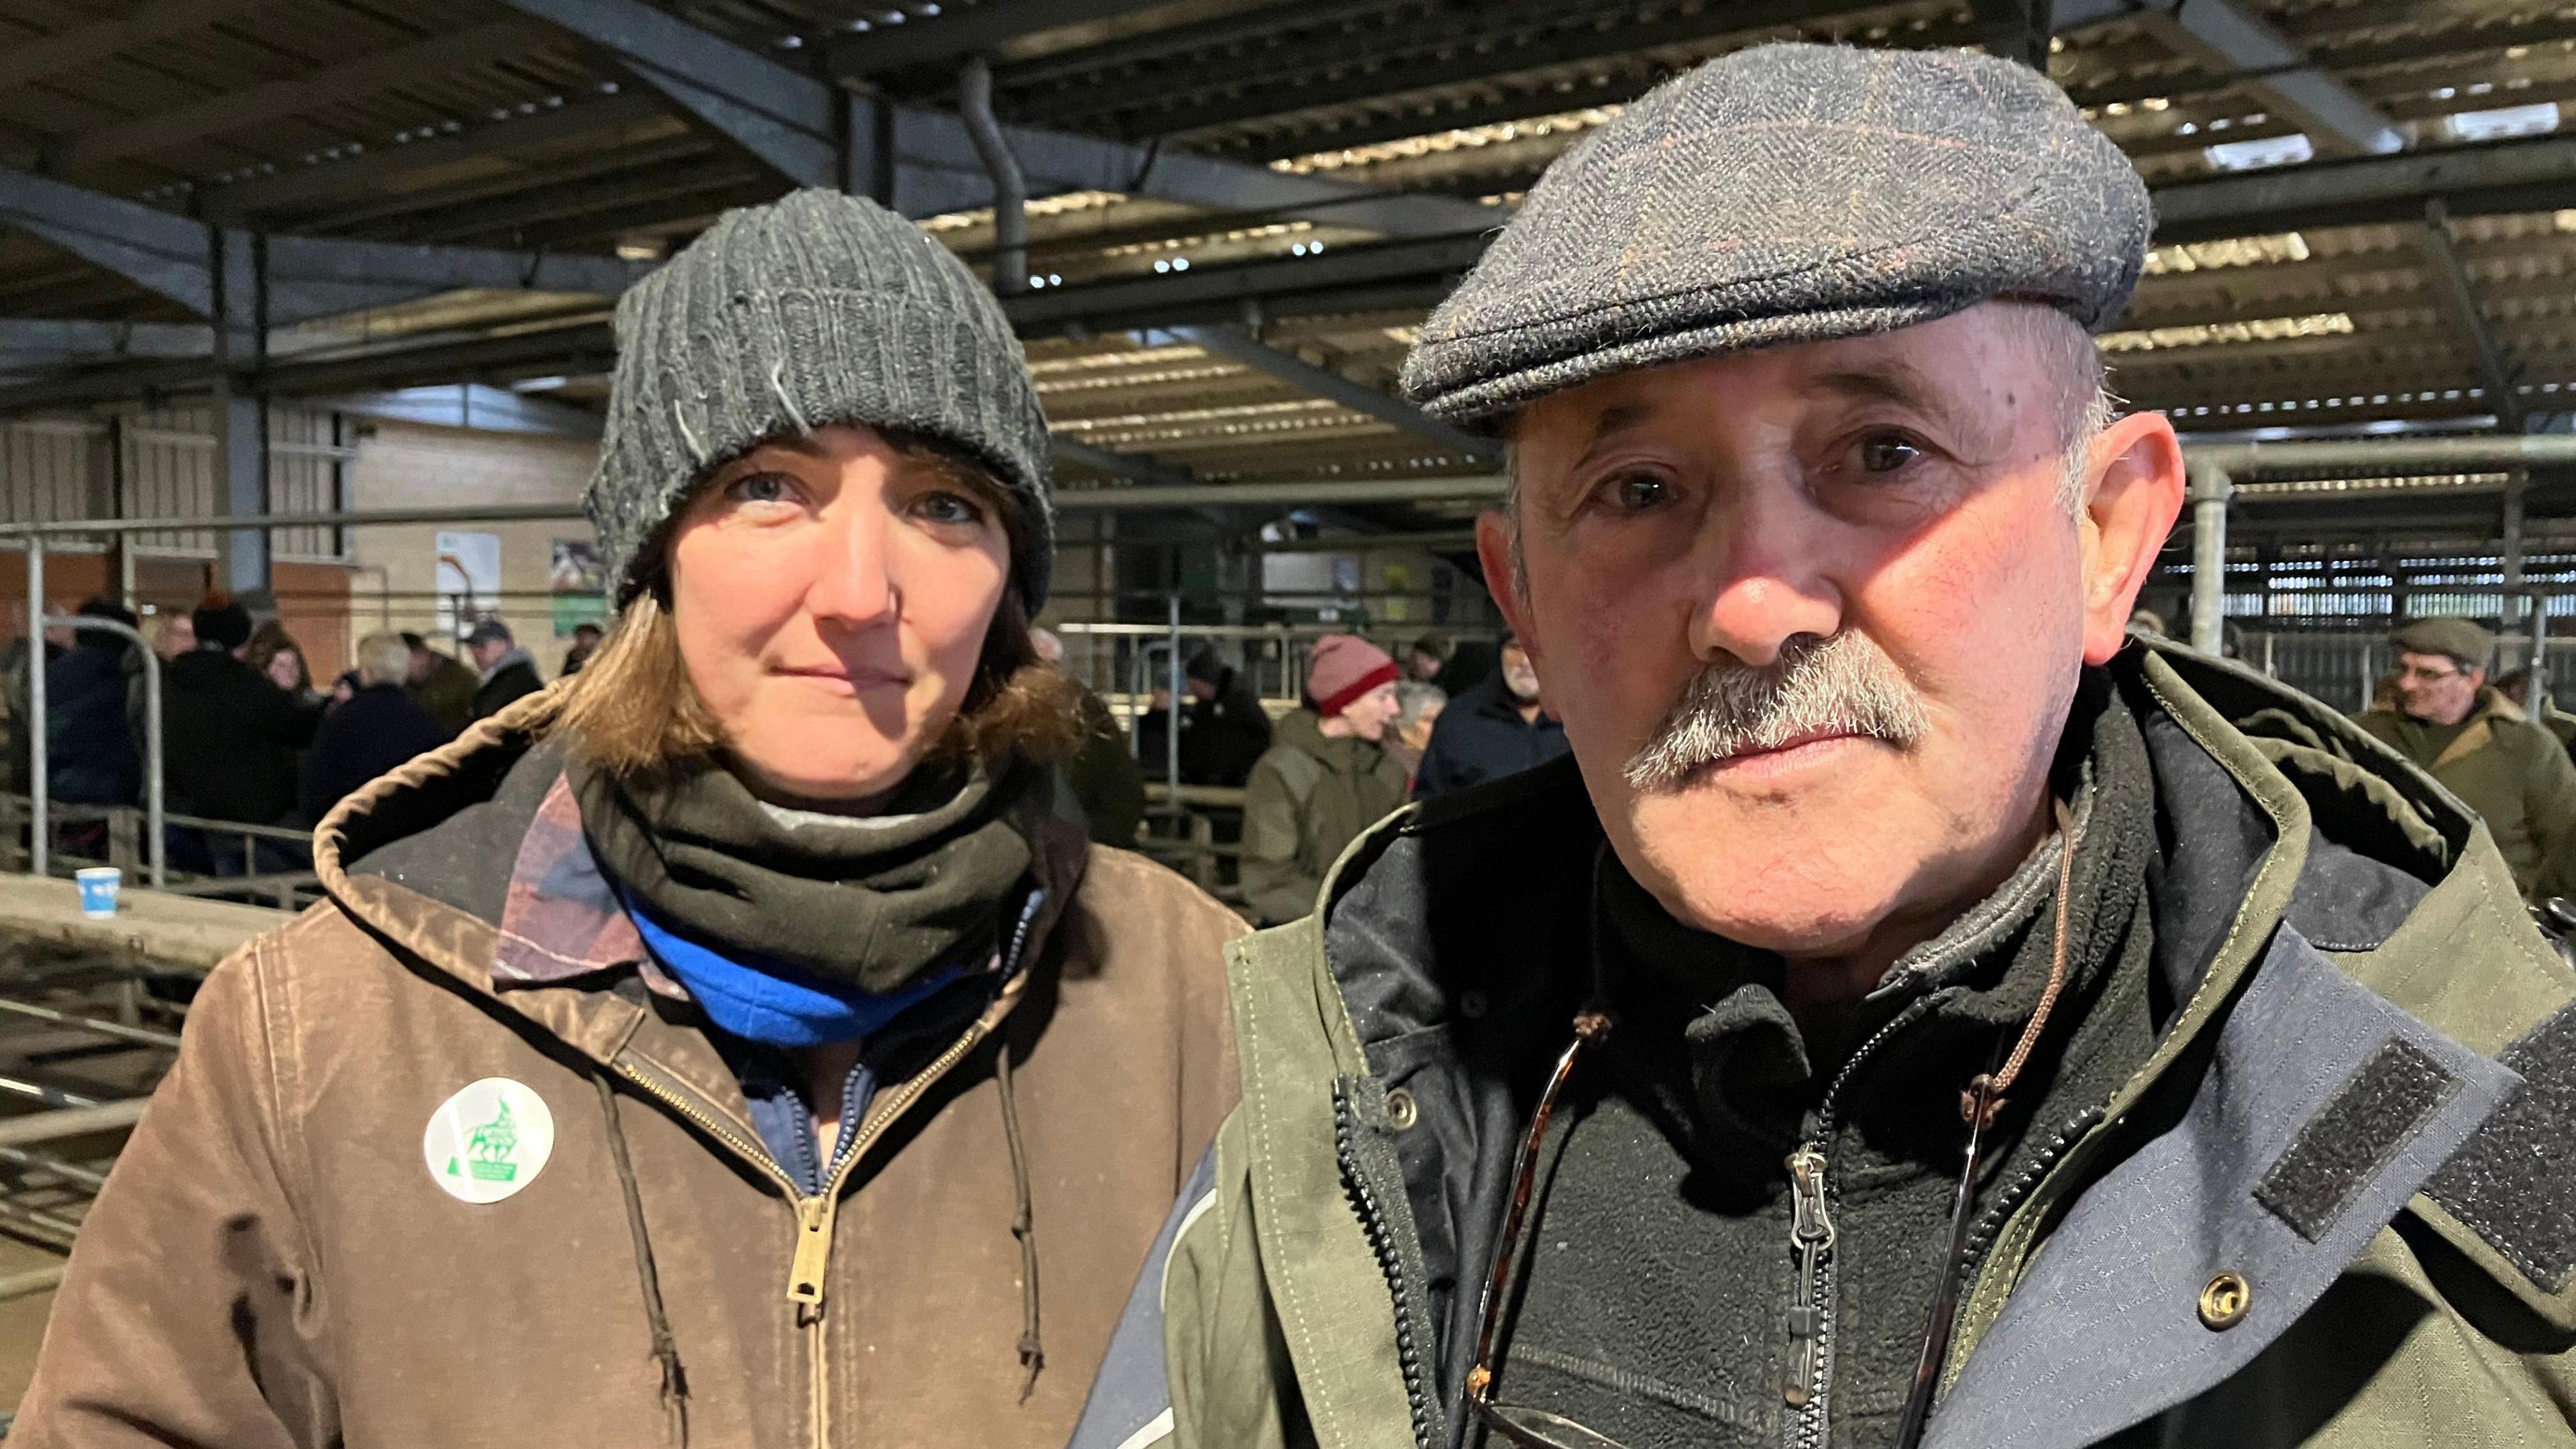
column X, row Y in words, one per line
column 1200, row 689
column 1424, row 667
column 487, row 652
column 423, row 660
column 1518, row 675
column 1858, row 551
column 2435, row 689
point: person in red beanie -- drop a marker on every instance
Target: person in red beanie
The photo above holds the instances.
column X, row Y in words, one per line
column 1325, row 778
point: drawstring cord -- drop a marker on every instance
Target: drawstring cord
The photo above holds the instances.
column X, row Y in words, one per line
column 1978, row 1106
column 1023, row 1223
column 666, row 1349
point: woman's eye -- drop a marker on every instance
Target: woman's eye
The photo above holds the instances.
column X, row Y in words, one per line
column 760, row 488
column 1886, row 453
column 948, row 508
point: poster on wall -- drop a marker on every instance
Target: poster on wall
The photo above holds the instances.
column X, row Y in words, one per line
column 469, row 580
column 580, row 584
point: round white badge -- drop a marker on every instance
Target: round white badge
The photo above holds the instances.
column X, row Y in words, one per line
column 489, row 1141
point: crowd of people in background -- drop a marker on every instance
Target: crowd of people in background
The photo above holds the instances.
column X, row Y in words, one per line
column 246, row 734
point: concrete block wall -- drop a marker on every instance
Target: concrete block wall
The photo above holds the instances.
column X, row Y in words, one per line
column 395, row 583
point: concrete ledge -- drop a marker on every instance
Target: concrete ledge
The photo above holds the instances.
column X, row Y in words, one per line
column 155, row 926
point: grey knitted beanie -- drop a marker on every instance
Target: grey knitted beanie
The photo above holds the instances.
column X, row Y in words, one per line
column 818, row 308
column 1788, row 194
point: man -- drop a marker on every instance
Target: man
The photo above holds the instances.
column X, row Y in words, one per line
column 379, row 728
column 1888, row 874
column 1497, row 729
column 585, row 642
column 1418, row 707
column 2515, row 686
column 2515, row 774
column 439, row 684
column 1228, row 729
column 1104, row 780
column 508, row 673
column 229, row 738
column 1327, row 779
column 1429, row 655
column 90, row 752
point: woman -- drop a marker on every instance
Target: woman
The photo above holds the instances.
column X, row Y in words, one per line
column 274, row 653
column 728, row 1047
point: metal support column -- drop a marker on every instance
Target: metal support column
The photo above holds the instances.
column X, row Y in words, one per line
column 2511, row 554
column 1172, row 688
column 39, row 826
column 241, row 420
column 2210, row 488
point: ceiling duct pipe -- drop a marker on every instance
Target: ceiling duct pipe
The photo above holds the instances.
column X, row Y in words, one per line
column 1010, row 189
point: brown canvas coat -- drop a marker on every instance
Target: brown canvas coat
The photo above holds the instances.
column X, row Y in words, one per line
column 272, row 1263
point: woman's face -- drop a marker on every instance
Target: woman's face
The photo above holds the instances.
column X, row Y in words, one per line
column 831, row 597
column 284, row 671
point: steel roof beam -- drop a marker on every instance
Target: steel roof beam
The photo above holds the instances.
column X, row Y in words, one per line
column 1119, row 465
column 293, row 96
column 27, row 60
column 374, row 167
column 303, row 277
column 815, row 134
column 1324, row 383
column 2234, row 37
column 945, row 39
column 32, row 341
column 2460, row 304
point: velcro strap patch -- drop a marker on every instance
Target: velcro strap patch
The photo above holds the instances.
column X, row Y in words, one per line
column 2358, row 1132
column 2514, row 1183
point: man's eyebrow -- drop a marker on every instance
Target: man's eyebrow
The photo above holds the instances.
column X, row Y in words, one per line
column 1890, row 380
column 1615, row 419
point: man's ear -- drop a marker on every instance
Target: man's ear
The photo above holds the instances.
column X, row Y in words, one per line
column 1494, row 551
column 2135, row 493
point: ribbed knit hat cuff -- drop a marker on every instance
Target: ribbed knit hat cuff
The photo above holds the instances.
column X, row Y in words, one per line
column 1348, row 694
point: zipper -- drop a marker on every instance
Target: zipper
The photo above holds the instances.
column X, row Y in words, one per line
column 1381, row 1240
column 810, row 1264
column 1807, row 1377
column 816, row 1215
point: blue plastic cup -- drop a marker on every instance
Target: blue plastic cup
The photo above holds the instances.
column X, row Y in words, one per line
column 98, row 887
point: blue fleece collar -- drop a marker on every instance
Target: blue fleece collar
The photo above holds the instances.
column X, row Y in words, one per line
column 761, row 999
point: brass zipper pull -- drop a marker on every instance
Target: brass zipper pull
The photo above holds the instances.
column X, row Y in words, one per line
column 813, row 1250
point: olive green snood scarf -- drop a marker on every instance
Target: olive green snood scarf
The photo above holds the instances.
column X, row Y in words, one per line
column 869, row 900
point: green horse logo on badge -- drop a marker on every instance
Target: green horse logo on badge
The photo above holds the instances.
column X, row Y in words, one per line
column 488, row 1141
column 489, row 1152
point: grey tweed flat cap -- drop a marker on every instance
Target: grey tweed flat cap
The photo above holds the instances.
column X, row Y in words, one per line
column 1788, row 194
column 815, row 309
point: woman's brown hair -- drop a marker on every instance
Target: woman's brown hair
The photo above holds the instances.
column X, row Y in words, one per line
column 633, row 711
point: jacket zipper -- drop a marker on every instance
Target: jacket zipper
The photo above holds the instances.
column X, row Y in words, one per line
column 811, row 1261
column 1381, row 1240
column 816, row 1215
column 1807, row 1378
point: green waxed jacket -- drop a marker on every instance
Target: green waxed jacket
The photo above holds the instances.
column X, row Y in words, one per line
column 2515, row 774
column 2359, row 1101
column 1309, row 796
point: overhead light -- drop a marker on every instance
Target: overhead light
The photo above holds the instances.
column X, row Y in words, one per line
column 2502, row 123
column 1180, row 264
column 1161, row 265
column 2287, row 150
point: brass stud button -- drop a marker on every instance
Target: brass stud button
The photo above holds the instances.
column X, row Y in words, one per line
column 2225, row 1302
column 1401, row 1110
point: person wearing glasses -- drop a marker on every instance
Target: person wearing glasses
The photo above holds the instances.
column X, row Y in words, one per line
column 2511, row 771
column 1920, row 1011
